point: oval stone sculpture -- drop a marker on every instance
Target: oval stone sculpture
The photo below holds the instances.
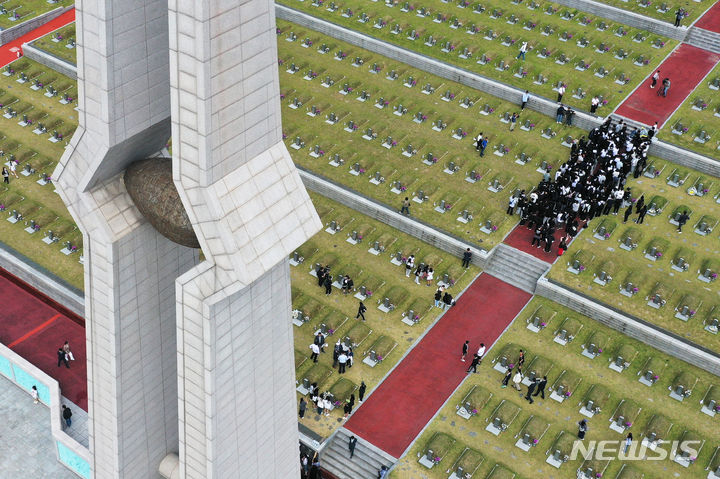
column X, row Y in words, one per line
column 150, row 185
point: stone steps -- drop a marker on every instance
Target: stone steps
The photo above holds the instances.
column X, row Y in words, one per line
column 704, row 39
column 516, row 267
column 366, row 461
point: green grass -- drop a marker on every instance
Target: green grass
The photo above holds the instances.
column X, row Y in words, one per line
column 680, row 287
column 411, row 172
column 615, row 393
column 697, row 119
column 26, row 10
column 36, row 202
column 528, row 27
column 382, row 332
column 55, row 43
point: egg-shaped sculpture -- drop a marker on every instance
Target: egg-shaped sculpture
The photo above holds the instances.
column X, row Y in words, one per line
column 150, row 185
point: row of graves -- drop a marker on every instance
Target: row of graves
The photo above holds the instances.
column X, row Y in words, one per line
column 696, row 124
column 430, row 156
column 485, row 37
column 20, row 108
column 60, row 44
column 15, row 13
column 613, row 406
column 372, row 255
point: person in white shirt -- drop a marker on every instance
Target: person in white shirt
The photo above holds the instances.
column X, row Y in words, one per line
column 34, row 394
column 315, row 351
column 517, row 379
column 342, row 361
column 525, row 98
column 409, row 265
column 327, row 406
column 481, row 351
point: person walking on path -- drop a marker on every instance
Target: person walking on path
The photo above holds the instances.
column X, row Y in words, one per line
column 665, row 87
column 682, row 219
column 66, row 348
column 302, row 408
column 628, row 442
column 524, row 100
column 582, row 429
column 540, row 389
column 62, row 358
column 513, row 120
column 361, row 311
column 481, row 351
column 506, row 379
column 531, row 389
column 483, row 145
column 517, row 379
column 34, row 394
column 560, row 92
column 315, row 351
column 67, row 415
column 655, row 78
column 438, row 297
column 405, row 209
column 467, row 256
column 679, row 15
column 351, row 445
column 465, row 348
column 361, row 391
column 523, row 51
column 474, row 364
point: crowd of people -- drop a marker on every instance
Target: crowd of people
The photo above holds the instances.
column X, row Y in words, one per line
column 591, row 183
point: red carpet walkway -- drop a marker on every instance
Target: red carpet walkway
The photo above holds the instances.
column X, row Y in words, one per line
column 34, row 328
column 393, row 416
column 521, row 237
column 8, row 52
column 711, row 19
column 685, row 67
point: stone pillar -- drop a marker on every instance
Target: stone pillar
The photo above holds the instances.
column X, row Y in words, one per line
column 130, row 269
column 249, row 210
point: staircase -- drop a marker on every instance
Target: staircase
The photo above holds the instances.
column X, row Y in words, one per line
column 365, row 464
column 516, row 267
column 704, row 39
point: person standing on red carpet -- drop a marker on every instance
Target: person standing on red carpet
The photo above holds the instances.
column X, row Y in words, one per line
column 465, row 348
column 655, row 78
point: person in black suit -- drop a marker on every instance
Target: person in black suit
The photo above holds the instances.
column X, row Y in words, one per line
column 531, row 389
column 540, row 389
column 467, row 255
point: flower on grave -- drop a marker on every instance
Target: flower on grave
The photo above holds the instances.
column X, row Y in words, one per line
column 416, row 317
column 2, row 207
column 452, row 47
column 568, row 394
column 36, row 227
column 282, row 96
column 474, row 411
column 355, row 127
column 569, row 35
column 368, row 293
column 656, row 377
column 321, row 152
column 599, row 350
column 535, row 441
column 704, row 105
column 379, row 358
column 437, row 459
column 606, row 49
column 598, row 475
column 712, row 275
column 349, row 89
column 73, row 248
column 448, row 206
column 607, row 235
column 646, row 62
column 657, row 172
column 493, row 228
column 423, row 117
column 658, row 254
column 394, row 143
column 532, row 125
column 414, row 82
column 662, row 44
column 452, row 96
column 361, row 170
column 524, row 73
column 510, row 366
column 464, row 134
column 337, row 403
column 543, row 324
column 506, row 150
column 278, row 31
column 587, row 65
column 691, row 312
column 685, row 129
column 330, row 331
column 717, row 407
column 411, row 8
column 581, row 268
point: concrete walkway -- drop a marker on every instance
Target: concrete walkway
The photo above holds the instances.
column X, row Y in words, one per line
column 26, row 444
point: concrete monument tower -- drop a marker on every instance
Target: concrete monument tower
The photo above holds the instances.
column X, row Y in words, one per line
column 185, row 357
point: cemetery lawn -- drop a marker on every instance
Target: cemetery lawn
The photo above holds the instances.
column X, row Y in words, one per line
column 36, row 202
column 707, row 119
column 27, row 9
column 380, row 330
column 694, row 9
column 680, row 287
column 432, row 152
column 529, row 26
column 608, row 389
column 59, row 48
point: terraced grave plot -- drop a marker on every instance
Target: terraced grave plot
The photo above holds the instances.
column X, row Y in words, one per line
column 379, row 279
column 539, row 437
column 36, row 126
column 60, row 43
column 15, row 12
column 649, row 270
column 410, row 137
column 696, row 124
column 589, row 55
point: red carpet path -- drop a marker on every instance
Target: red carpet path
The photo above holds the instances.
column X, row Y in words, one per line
column 393, row 416
column 711, row 19
column 521, row 237
column 8, row 52
column 685, row 67
column 34, row 327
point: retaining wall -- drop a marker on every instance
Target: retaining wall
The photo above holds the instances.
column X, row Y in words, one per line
column 637, row 329
column 16, row 31
column 540, row 104
column 49, row 60
column 70, row 453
